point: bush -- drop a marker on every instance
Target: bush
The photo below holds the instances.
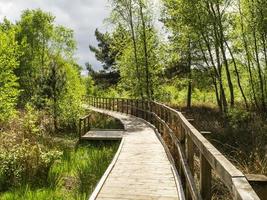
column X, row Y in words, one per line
column 23, row 163
column 238, row 118
column 22, row 157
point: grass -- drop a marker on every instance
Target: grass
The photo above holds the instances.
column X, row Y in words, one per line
column 102, row 121
column 74, row 176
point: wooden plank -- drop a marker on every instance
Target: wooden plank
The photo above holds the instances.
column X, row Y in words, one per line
column 190, row 160
column 142, row 170
column 259, row 184
column 205, row 178
column 107, row 172
column 211, row 157
column 242, row 189
column 103, row 135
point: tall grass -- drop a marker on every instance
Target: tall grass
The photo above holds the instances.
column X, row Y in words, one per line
column 240, row 136
column 102, row 121
column 74, row 176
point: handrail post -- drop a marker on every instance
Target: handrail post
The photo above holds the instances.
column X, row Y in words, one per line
column 84, row 126
column 137, row 108
column 117, row 105
column 127, row 106
column 113, row 104
column 106, row 103
column 143, row 110
column 132, row 107
column 151, row 111
column 88, row 123
column 190, row 159
column 190, row 152
column 205, row 178
column 122, row 105
column 80, row 129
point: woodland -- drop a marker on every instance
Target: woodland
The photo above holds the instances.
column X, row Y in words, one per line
column 207, row 58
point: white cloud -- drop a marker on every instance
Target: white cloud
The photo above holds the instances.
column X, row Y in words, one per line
column 83, row 16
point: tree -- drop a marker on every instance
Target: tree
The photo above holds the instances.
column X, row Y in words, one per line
column 137, row 62
column 106, row 54
column 47, row 66
column 9, row 87
column 208, row 22
column 34, row 31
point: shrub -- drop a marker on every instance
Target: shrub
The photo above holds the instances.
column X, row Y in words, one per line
column 23, row 163
column 22, row 156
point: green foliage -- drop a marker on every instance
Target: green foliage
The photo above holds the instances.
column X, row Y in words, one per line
column 23, row 162
column 131, row 50
column 238, row 118
column 104, row 53
column 9, row 91
column 37, row 64
column 89, row 85
column 30, row 194
column 70, row 101
column 91, row 170
column 74, row 176
column 30, row 127
column 101, row 121
column 34, row 32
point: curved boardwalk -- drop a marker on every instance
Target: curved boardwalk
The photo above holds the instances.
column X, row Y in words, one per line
column 142, row 169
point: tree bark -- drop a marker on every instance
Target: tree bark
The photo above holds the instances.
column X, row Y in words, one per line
column 135, row 49
column 148, row 86
column 247, row 56
column 237, row 76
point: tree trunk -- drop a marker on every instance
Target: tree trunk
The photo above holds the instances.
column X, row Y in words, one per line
column 220, row 39
column 259, row 71
column 237, row 76
column 189, row 91
column 248, row 57
column 148, row 87
column 213, row 78
column 135, row 50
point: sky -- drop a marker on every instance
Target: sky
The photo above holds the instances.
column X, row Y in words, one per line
column 83, row 16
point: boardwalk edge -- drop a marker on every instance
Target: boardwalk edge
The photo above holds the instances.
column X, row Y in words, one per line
column 106, row 174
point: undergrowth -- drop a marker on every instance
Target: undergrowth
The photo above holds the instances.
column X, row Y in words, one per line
column 36, row 163
column 240, row 135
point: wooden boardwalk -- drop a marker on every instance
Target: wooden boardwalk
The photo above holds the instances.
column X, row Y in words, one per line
column 141, row 168
column 103, row 135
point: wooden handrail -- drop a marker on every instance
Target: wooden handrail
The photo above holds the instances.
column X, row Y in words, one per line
column 183, row 139
column 84, row 125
